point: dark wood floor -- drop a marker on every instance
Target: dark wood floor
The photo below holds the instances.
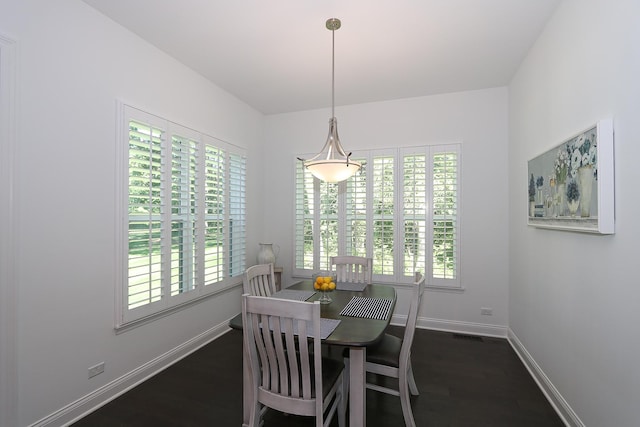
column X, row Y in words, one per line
column 464, row 381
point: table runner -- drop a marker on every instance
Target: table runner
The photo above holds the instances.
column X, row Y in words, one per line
column 293, row 294
column 347, row 286
column 327, row 326
column 368, row 308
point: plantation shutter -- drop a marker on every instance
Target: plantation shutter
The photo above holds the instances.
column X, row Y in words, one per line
column 356, row 211
column 181, row 200
column 146, row 228
column 328, row 223
column 237, row 214
column 184, row 214
column 214, row 185
column 401, row 209
column 383, row 215
column 445, row 250
column 414, row 213
column 304, row 218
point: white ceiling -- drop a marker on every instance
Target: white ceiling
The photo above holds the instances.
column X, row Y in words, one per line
column 276, row 55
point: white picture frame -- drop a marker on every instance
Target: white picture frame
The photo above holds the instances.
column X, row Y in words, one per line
column 571, row 186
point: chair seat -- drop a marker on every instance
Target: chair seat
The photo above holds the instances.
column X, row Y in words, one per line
column 386, row 352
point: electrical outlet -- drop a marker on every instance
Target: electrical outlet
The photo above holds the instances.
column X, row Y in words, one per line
column 96, row 370
column 486, row 311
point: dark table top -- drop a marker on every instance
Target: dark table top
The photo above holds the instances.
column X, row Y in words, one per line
column 352, row 331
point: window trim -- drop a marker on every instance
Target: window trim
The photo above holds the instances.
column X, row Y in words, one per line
column 398, row 278
column 126, row 318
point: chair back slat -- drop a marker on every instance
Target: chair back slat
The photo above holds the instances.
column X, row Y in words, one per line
column 278, row 365
column 302, row 375
column 353, row 269
column 260, row 347
column 259, row 280
column 294, row 364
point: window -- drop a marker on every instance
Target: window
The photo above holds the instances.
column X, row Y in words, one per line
column 183, row 215
column 401, row 209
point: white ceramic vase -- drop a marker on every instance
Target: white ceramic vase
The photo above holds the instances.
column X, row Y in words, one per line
column 266, row 254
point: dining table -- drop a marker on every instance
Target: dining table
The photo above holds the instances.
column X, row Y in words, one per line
column 364, row 313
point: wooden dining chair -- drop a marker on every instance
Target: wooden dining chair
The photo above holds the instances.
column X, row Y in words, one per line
column 391, row 357
column 355, row 269
column 259, row 280
column 285, row 374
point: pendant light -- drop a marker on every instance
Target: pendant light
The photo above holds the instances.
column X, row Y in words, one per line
column 332, row 164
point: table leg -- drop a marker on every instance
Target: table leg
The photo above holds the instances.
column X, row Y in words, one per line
column 357, row 390
column 246, row 389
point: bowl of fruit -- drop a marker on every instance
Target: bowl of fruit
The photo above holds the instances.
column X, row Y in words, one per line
column 324, row 282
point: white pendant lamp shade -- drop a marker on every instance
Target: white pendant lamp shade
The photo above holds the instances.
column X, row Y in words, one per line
column 332, row 170
column 332, row 164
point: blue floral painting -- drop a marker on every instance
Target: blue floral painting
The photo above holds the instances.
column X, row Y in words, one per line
column 563, row 184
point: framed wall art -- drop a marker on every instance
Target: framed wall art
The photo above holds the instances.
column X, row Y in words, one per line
column 571, row 186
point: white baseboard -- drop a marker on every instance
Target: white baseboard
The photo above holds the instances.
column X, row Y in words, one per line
column 103, row 395
column 455, row 326
column 568, row 416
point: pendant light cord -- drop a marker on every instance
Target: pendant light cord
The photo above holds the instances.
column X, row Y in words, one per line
column 333, row 71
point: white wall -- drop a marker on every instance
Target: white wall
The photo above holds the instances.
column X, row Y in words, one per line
column 8, row 374
column 73, row 63
column 574, row 298
column 478, row 119
column 570, row 299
